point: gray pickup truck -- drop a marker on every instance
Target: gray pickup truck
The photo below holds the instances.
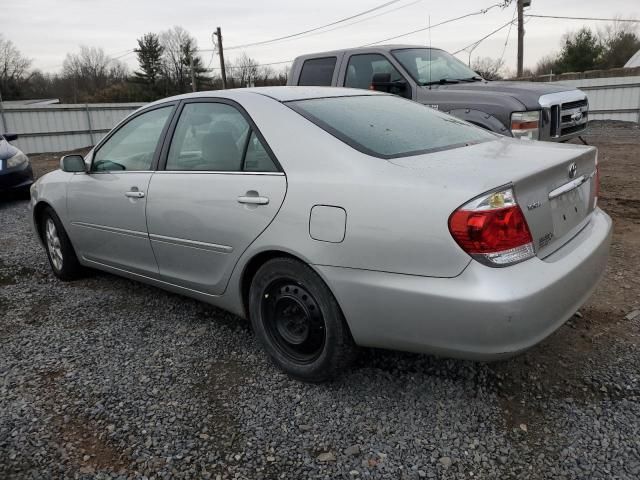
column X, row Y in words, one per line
column 537, row 111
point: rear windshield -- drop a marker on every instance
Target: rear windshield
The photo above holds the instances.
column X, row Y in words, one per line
column 387, row 126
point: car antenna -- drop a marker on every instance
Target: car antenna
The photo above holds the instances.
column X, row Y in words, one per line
column 429, row 17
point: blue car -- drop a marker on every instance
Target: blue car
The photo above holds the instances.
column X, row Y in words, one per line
column 16, row 174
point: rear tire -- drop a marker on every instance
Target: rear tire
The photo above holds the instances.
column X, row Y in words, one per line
column 298, row 321
column 62, row 257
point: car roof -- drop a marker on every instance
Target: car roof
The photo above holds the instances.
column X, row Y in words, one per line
column 280, row 94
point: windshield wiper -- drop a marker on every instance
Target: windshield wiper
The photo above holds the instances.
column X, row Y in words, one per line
column 442, row 81
column 471, row 79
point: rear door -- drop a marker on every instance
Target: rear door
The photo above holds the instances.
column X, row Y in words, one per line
column 220, row 188
column 107, row 205
column 318, row 72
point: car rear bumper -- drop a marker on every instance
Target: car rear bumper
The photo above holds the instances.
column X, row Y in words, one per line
column 483, row 314
column 16, row 178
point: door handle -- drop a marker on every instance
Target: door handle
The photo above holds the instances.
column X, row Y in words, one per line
column 134, row 194
column 251, row 200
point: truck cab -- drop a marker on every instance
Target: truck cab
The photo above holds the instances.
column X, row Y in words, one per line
column 434, row 77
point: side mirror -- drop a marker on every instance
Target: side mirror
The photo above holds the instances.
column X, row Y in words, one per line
column 382, row 83
column 73, row 164
column 10, row 137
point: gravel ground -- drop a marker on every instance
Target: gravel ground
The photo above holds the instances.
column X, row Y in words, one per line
column 107, row 378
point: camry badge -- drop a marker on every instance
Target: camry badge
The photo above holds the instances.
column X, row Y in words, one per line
column 573, row 170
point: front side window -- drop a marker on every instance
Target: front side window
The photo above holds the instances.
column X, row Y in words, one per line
column 362, row 69
column 432, row 66
column 216, row 137
column 387, row 126
column 317, row 72
column 132, row 147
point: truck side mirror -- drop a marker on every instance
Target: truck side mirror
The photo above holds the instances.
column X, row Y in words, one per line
column 73, row 164
column 382, row 83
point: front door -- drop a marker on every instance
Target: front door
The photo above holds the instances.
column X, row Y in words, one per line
column 361, row 68
column 106, row 206
column 220, row 189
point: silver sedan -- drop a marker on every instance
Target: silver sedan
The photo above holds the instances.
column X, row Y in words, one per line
column 333, row 218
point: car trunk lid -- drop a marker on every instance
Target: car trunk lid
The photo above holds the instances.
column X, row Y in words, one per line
column 557, row 201
column 554, row 184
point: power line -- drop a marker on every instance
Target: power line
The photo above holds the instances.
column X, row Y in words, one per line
column 124, row 54
column 627, row 20
column 479, row 12
column 386, row 4
column 364, row 19
column 256, row 65
column 484, row 38
column 506, row 42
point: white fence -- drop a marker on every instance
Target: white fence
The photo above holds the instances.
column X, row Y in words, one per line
column 613, row 98
column 58, row 128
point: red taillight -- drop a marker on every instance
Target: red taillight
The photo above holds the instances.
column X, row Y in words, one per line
column 490, row 231
column 493, row 230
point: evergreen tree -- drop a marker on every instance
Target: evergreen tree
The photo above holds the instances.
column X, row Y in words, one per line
column 582, row 51
column 149, row 54
column 189, row 54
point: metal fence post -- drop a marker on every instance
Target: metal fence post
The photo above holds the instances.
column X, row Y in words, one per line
column 86, row 106
column 4, row 120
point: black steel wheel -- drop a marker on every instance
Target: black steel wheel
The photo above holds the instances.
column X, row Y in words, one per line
column 298, row 321
column 293, row 320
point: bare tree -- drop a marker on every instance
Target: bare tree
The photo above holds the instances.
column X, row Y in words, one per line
column 489, row 68
column 179, row 53
column 92, row 70
column 13, row 69
column 620, row 41
column 264, row 75
column 546, row 65
column 246, row 70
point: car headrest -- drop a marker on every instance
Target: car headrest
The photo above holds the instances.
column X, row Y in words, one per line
column 221, row 152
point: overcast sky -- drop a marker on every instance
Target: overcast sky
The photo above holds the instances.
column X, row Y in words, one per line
column 45, row 31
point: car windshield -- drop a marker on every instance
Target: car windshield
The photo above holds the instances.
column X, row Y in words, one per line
column 387, row 126
column 432, row 66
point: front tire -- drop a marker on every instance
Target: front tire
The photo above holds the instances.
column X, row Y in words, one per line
column 298, row 321
column 62, row 257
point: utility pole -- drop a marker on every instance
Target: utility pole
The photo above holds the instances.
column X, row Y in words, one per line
column 193, row 74
column 221, row 53
column 521, row 5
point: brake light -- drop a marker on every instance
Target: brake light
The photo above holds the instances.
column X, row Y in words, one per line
column 493, row 230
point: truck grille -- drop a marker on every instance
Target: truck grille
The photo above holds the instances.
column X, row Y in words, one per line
column 569, row 118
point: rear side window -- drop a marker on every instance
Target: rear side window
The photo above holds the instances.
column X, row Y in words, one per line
column 388, row 126
column 317, row 72
column 214, row 136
